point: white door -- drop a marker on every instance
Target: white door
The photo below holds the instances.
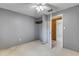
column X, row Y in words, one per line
column 60, row 33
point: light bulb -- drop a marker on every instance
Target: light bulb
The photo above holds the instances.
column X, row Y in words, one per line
column 38, row 9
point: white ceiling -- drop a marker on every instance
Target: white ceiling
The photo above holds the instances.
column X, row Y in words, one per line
column 62, row 6
column 26, row 8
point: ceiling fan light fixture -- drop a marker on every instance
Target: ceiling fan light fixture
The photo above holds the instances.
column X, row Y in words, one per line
column 40, row 7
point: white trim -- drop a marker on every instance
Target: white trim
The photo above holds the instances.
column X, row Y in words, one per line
column 59, row 41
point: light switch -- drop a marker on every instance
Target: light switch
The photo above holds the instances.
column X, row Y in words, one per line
column 20, row 39
column 64, row 27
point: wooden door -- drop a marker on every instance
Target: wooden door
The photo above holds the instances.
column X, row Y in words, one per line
column 53, row 24
column 53, row 29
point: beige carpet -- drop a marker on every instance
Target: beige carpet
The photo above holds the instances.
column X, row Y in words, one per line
column 36, row 48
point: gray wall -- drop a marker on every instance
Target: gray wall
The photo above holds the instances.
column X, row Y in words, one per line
column 45, row 28
column 41, row 30
column 15, row 28
column 71, row 22
column 38, row 29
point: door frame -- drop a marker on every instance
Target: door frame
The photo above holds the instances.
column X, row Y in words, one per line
column 50, row 39
column 59, row 39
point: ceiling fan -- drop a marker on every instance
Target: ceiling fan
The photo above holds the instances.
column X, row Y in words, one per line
column 42, row 8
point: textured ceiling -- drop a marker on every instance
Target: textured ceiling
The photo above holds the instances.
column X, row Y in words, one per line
column 26, row 8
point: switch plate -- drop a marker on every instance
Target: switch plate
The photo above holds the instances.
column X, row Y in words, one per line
column 20, row 39
column 64, row 27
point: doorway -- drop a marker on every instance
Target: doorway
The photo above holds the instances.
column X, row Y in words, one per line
column 57, row 31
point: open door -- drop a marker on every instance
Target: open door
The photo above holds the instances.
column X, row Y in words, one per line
column 57, row 30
